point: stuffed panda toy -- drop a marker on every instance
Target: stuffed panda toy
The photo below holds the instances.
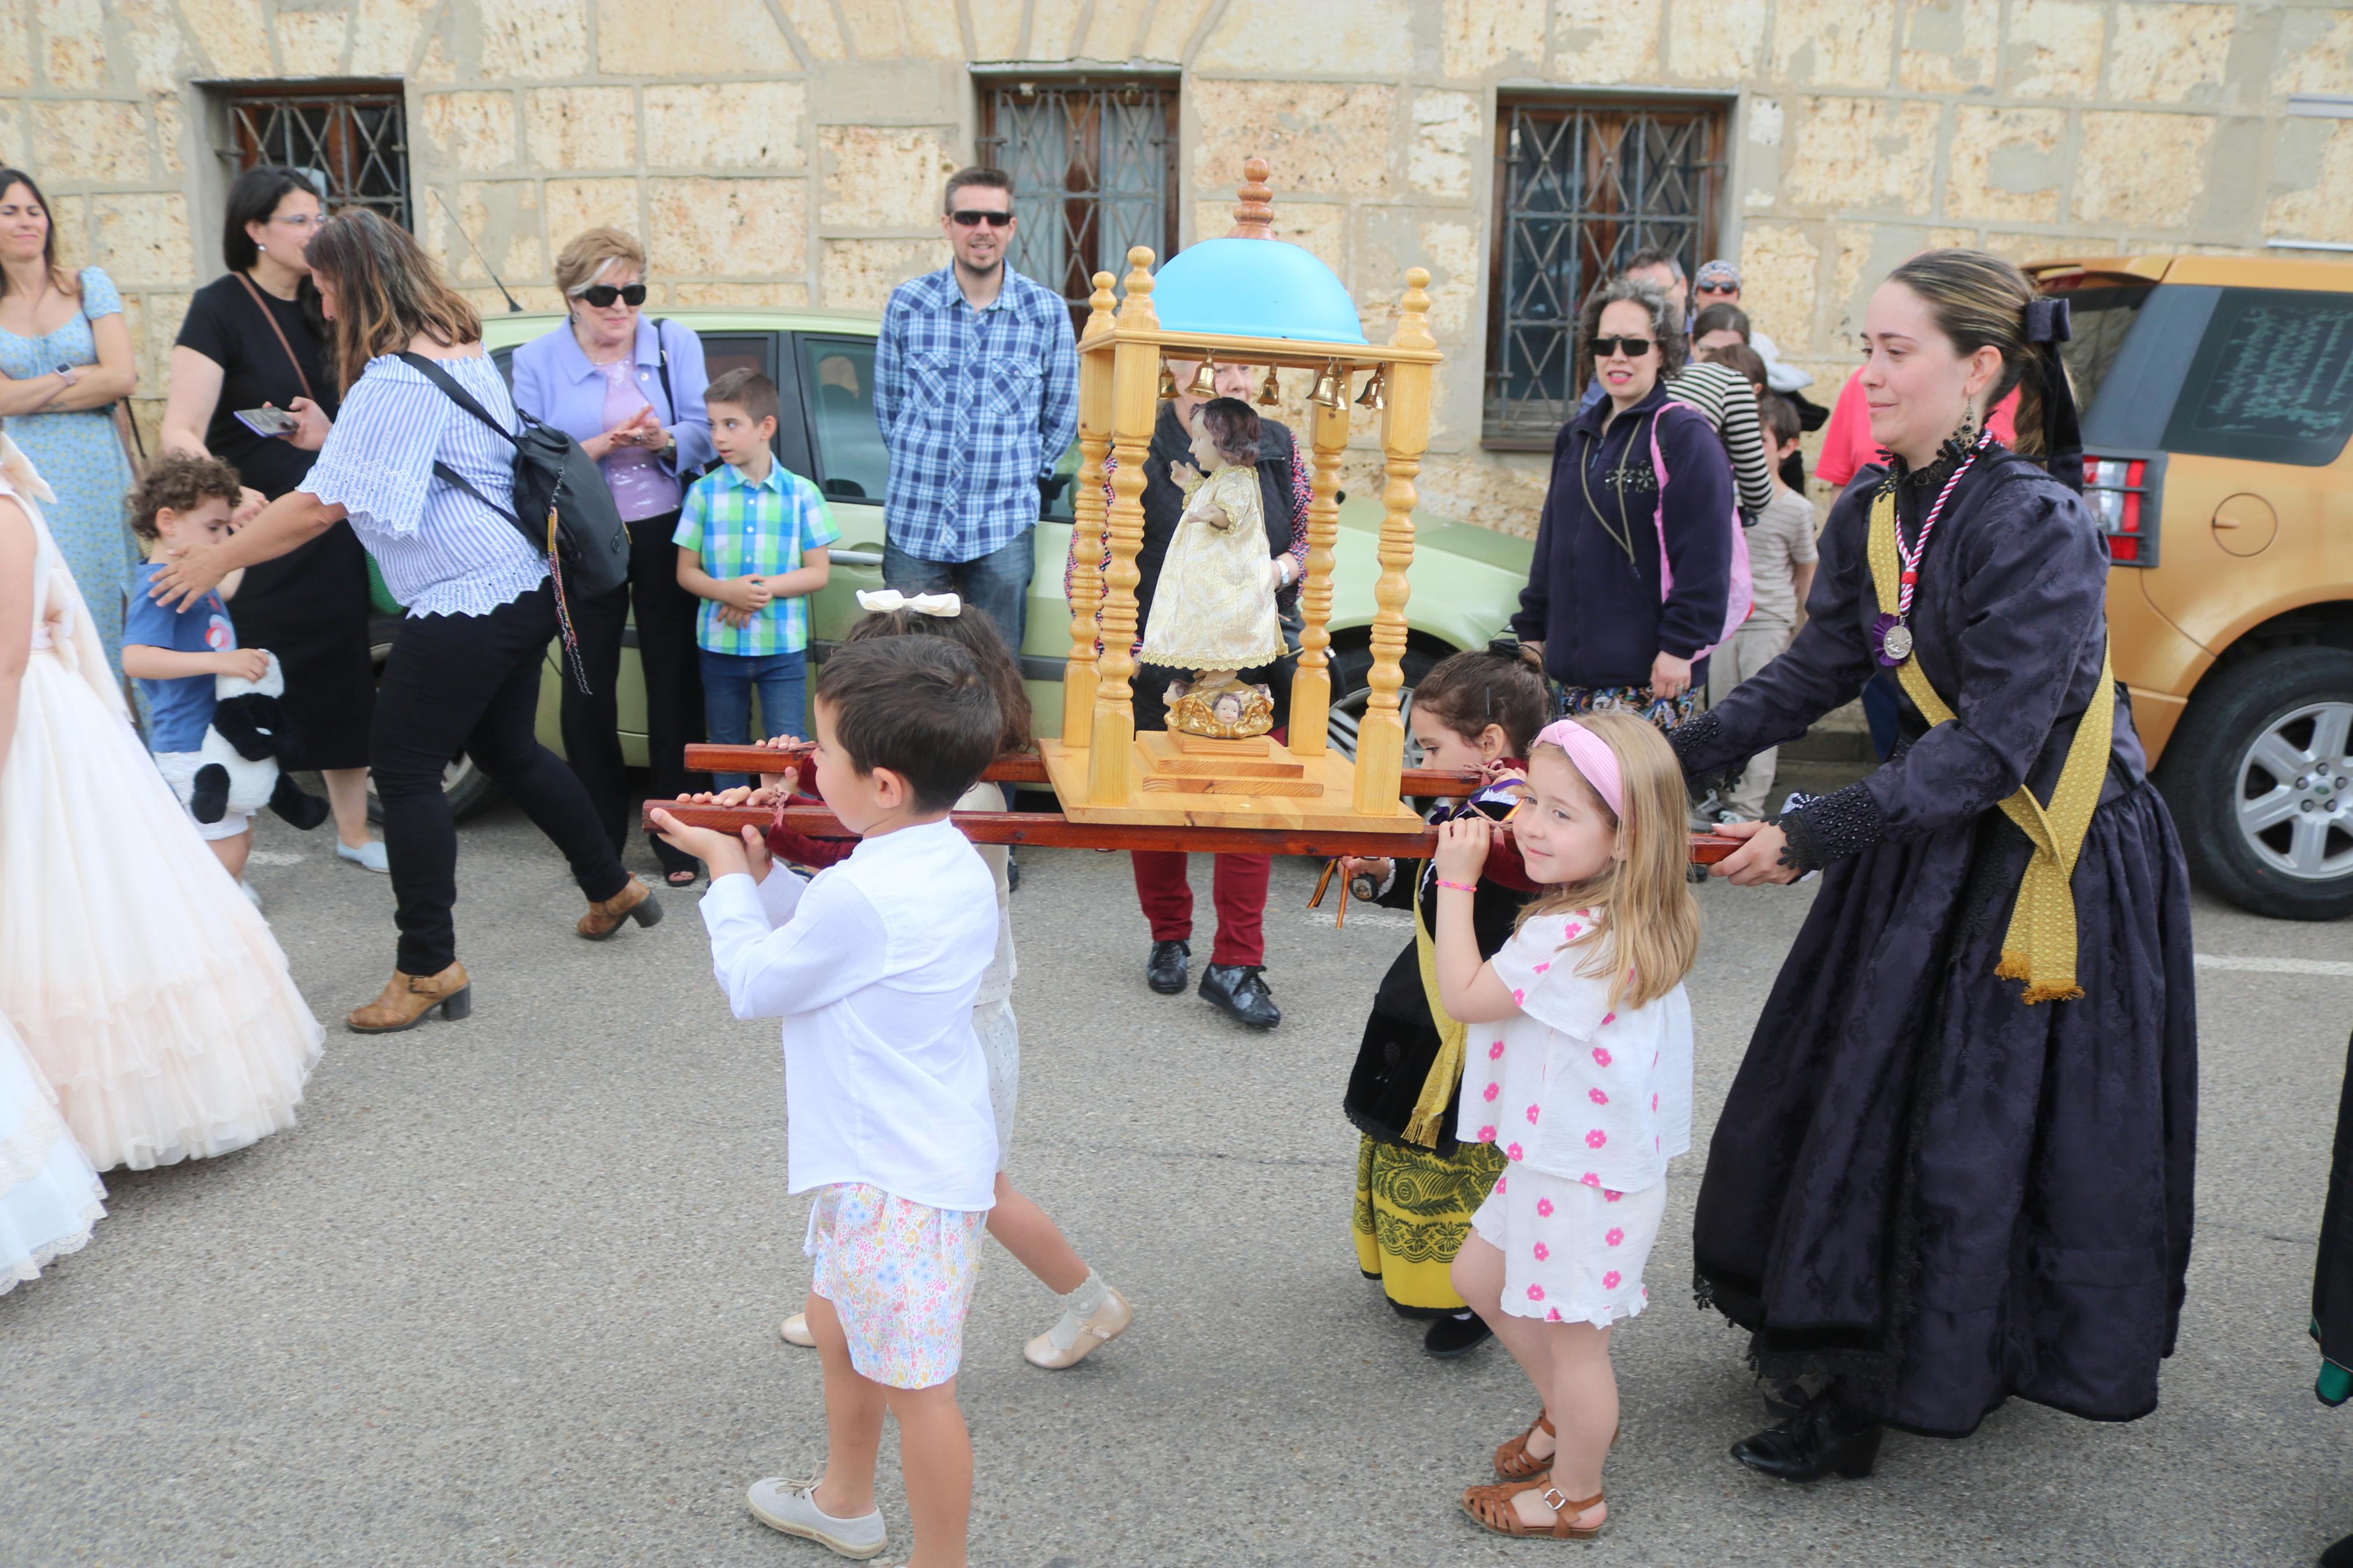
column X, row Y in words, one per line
column 242, row 752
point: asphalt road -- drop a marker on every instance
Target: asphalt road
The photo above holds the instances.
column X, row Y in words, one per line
column 509, row 1293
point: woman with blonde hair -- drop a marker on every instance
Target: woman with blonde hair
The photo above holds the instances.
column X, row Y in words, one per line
column 464, row 671
column 630, row 392
column 1955, row 1163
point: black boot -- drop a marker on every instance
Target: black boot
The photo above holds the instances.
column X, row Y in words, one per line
column 2340, row 1555
column 1456, row 1335
column 1823, row 1433
column 1164, row 970
column 1240, row 995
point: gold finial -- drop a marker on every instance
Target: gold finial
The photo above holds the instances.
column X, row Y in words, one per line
column 1101, row 307
column 1413, row 312
column 1136, row 309
column 1253, row 217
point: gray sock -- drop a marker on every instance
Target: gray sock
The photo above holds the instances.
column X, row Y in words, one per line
column 1082, row 1302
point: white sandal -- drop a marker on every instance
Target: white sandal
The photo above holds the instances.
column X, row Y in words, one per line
column 1072, row 1339
column 795, row 1330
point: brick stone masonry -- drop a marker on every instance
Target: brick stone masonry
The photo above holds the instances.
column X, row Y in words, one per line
column 791, row 152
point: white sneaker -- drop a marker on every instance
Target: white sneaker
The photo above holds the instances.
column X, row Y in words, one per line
column 1072, row 1339
column 795, row 1330
column 791, row 1507
column 368, row 856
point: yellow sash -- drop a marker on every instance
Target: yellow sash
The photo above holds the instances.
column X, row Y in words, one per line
column 1429, row 1110
column 2040, row 946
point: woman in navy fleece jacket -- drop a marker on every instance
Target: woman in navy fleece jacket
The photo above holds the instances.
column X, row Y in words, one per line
column 1592, row 607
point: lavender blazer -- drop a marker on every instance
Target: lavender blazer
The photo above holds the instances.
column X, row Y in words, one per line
column 556, row 384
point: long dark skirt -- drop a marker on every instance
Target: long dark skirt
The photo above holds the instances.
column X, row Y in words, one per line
column 310, row 608
column 1939, row 1194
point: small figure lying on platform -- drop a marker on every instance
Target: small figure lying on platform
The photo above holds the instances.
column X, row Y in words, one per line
column 1213, row 612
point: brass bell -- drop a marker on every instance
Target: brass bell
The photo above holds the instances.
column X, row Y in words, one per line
column 1331, row 393
column 1168, row 382
column 1371, row 397
column 1270, row 391
column 1204, row 385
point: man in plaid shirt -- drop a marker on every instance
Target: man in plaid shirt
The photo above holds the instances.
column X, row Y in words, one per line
column 976, row 389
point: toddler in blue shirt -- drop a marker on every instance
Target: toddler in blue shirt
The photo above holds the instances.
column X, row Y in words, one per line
column 173, row 655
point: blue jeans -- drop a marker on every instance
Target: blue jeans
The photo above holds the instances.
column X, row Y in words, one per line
column 998, row 582
column 727, row 682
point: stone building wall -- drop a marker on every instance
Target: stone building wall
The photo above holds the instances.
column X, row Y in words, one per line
column 790, row 151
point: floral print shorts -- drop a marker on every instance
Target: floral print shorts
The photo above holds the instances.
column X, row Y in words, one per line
column 1572, row 1254
column 900, row 1276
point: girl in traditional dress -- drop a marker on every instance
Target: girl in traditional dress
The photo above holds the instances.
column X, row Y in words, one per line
column 1416, row 1183
column 1955, row 1165
column 1214, row 612
column 1580, row 1068
column 49, row 1197
column 148, row 992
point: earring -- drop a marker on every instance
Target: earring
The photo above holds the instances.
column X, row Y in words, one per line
column 1964, row 439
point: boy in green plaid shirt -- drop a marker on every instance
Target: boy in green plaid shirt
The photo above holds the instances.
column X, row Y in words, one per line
column 752, row 541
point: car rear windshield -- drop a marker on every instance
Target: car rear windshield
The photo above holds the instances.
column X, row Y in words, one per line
column 2264, row 375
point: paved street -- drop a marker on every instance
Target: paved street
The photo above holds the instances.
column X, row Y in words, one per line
column 509, row 1293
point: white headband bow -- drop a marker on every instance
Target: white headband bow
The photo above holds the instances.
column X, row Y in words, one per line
column 882, row 602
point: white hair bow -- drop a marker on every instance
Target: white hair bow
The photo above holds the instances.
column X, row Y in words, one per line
column 884, row 601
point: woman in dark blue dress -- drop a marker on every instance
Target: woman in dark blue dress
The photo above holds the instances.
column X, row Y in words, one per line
column 1955, row 1163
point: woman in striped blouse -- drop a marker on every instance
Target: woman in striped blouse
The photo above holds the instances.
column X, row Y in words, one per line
column 464, row 669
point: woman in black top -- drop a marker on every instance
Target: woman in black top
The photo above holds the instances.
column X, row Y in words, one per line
column 252, row 337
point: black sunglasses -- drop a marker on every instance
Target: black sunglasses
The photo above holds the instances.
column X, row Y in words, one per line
column 965, row 218
column 602, row 295
column 1635, row 348
column 1719, row 288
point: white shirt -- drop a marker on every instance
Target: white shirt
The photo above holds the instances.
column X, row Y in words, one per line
column 874, row 964
column 1569, row 1086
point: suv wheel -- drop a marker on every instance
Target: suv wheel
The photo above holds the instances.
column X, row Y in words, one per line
column 469, row 787
column 1352, row 671
column 2261, row 778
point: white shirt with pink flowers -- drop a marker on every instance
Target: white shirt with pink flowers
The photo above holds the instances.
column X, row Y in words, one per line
column 1570, row 1086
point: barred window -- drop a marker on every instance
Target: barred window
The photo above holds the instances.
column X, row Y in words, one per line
column 351, row 138
column 1094, row 172
column 1580, row 188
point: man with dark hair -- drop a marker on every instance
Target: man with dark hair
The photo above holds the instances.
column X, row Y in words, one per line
column 976, row 389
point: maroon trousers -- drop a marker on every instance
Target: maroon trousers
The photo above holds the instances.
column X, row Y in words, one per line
column 1238, row 889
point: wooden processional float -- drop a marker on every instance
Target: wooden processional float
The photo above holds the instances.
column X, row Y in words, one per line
column 1246, row 299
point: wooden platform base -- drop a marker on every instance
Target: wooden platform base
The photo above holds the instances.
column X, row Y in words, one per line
column 1256, row 784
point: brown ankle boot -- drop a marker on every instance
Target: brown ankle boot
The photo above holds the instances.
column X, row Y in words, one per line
column 408, row 997
column 635, row 901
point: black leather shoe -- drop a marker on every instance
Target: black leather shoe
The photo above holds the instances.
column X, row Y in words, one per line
column 1822, row 1434
column 1164, row 970
column 1238, row 992
column 1451, row 1336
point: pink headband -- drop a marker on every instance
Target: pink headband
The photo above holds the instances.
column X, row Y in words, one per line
column 1590, row 755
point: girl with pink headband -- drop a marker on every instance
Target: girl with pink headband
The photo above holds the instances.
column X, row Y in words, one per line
column 1579, row 1069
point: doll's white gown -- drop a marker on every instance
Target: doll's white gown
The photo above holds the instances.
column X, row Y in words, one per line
column 1213, row 608
column 147, row 992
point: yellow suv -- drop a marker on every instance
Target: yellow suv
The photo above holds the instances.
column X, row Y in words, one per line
column 2217, row 393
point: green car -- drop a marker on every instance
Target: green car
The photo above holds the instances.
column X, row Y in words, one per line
column 1466, row 580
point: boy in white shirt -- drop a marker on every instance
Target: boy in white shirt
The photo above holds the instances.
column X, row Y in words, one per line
column 874, row 965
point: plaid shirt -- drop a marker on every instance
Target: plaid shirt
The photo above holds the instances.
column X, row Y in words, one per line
column 975, row 407
column 741, row 528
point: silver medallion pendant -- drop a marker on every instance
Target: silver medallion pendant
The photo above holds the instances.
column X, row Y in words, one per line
column 1898, row 643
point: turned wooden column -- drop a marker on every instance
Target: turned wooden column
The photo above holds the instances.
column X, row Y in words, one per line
column 1405, row 435
column 1311, row 686
column 1134, row 405
column 1087, row 533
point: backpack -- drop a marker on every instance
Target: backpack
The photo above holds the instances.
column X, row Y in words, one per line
column 559, row 490
column 1740, row 596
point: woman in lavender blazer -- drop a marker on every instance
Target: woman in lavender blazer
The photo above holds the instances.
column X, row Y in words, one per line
column 630, row 392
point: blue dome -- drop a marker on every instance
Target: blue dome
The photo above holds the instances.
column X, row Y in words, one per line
column 1254, row 289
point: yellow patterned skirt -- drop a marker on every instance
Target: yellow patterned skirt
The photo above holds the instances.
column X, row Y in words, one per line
column 1413, row 1209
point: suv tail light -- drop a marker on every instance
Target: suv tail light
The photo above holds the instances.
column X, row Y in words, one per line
column 2125, row 494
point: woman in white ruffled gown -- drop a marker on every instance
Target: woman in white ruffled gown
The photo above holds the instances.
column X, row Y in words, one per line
column 49, row 1194
column 147, row 992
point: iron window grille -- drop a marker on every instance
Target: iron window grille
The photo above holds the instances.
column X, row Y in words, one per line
column 1094, row 172
column 352, row 141
column 1580, row 189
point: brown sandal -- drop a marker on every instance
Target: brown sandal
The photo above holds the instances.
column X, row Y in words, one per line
column 1513, row 1460
column 1491, row 1509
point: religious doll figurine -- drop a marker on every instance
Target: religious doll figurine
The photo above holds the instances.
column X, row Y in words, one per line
column 1214, row 612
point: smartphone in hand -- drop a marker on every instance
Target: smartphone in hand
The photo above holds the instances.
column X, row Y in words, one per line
column 268, row 421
